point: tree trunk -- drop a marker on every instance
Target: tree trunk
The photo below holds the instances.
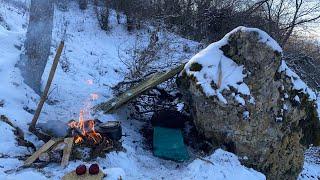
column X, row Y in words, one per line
column 37, row 44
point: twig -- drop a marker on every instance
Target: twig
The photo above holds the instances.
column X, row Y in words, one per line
column 24, row 157
column 32, row 127
column 205, row 160
column 219, row 73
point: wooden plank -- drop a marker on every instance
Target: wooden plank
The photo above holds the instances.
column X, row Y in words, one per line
column 36, row 155
column 132, row 93
column 67, row 151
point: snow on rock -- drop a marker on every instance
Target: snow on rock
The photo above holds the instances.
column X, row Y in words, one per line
column 298, row 84
column 213, row 63
column 215, row 67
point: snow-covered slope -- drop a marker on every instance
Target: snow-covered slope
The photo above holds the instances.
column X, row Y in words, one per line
column 90, row 65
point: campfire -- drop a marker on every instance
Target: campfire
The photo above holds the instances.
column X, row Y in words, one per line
column 84, row 130
column 87, row 138
column 87, row 135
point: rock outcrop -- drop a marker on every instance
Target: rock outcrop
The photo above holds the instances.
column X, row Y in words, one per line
column 243, row 97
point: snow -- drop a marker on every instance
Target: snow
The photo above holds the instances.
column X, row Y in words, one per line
column 210, row 58
column 12, row 89
column 93, row 67
column 229, row 167
column 221, row 70
column 264, row 37
column 30, row 174
column 180, row 106
column 298, row 84
column 240, row 100
column 246, row 115
column 311, row 168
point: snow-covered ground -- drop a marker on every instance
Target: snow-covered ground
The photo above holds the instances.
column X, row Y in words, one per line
column 90, row 65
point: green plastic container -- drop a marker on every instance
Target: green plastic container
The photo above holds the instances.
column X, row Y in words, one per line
column 168, row 144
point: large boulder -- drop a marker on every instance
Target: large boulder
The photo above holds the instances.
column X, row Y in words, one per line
column 243, row 97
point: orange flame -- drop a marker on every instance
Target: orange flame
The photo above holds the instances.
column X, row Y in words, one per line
column 87, row 129
column 78, row 140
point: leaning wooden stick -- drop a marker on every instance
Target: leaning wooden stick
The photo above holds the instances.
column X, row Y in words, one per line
column 32, row 127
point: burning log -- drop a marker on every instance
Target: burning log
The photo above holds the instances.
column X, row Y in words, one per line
column 84, row 130
column 85, row 135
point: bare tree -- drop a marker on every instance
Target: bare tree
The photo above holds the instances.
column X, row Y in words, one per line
column 287, row 15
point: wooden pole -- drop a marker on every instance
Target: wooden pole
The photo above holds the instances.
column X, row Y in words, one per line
column 32, row 127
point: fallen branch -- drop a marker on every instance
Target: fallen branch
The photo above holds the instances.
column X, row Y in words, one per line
column 153, row 81
column 19, row 133
column 32, row 127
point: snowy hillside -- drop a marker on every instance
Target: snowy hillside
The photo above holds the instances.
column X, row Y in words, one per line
column 89, row 67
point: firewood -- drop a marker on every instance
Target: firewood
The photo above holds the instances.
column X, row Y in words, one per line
column 45, row 157
column 43, row 149
column 32, row 127
column 67, row 151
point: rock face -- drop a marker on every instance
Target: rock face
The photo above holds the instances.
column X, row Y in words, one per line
column 269, row 126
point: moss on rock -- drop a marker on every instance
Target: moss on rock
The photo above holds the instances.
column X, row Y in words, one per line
column 195, row 67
